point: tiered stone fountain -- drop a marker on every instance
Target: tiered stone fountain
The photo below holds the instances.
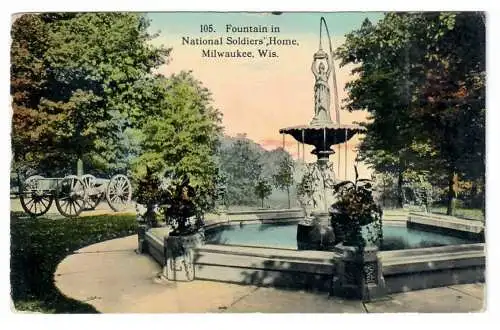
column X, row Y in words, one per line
column 316, row 196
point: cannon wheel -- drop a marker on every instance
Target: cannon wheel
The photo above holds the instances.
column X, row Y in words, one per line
column 118, row 192
column 70, row 196
column 34, row 202
column 92, row 199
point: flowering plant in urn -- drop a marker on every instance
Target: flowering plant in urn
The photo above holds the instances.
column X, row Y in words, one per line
column 354, row 210
column 148, row 197
column 168, row 200
column 179, row 209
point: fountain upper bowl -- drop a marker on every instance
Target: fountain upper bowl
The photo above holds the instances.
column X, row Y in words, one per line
column 323, row 135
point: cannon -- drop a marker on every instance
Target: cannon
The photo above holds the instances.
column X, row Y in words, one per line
column 73, row 194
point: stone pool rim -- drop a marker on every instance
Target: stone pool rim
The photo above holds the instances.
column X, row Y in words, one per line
column 404, row 270
column 209, row 229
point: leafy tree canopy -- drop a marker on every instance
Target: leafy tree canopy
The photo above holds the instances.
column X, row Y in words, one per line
column 76, row 79
column 421, row 77
column 180, row 135
column 263, row 189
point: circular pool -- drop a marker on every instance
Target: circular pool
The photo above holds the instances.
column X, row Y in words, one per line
column 283, row 236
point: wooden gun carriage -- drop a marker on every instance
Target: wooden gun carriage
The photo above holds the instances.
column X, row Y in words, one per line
column 74, row 194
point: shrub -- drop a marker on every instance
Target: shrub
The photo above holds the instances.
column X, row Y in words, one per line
column 354, row 208
column 171, row 199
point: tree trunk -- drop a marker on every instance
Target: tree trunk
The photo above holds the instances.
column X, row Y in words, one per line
column 400, row 187
column 452, row 192
column 288, row 194
column 383, row 193
column 262, row 199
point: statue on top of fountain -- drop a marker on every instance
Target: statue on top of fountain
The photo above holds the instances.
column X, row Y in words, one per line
column 321, row 88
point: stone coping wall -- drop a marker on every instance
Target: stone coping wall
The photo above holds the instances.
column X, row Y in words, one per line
column 311, row 270
column 285, row 214
column 257, row 215
column 403, row 270
column 447, row 222
column 415, row 269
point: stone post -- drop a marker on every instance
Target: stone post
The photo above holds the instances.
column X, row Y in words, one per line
column 358, row 276
column 142, row 246
column 79, row 167
column 179, row 256
column 142, row 228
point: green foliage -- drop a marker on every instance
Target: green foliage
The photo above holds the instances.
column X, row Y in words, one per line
column 263, row 189
column 283, row 178
column 418, row 189
column 171, row 199
column 180, row 135
column 38, row 245
column 221, row 188
column 464, row 213
column 76, row 86
column 385, row 189
column 148, row 193
column 147, row 190
column 179, row 208
column 353, row 209
column 240, row 162
column 421, row 76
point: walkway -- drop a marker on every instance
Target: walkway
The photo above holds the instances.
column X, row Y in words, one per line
column 114, row 279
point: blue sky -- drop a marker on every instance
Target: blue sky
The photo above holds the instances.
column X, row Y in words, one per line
column 339, row 23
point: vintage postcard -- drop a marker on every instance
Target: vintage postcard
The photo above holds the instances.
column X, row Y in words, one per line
column 240, row 162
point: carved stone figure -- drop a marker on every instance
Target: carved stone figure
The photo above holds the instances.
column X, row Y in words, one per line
column 321, row 88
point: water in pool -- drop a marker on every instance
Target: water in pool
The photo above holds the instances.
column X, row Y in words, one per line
column 284, row 236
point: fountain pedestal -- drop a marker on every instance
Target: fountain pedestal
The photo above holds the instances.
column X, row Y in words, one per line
column 358, row 275
column 316, row 233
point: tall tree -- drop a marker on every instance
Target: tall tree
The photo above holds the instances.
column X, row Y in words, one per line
column 283, row 178
column 263, row 189
column 180, row 135
column 385, row 57
column 28, row 80
column 451, row 106
column 83, row 71
column 241, row 163
column 421, row 78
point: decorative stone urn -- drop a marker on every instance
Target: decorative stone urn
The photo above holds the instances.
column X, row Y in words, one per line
column 358, row 275
column 170, row 227
column 187, row 234
column 179, row 256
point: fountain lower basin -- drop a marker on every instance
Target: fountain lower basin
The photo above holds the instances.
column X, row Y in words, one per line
column 283, row 236
column 261, row 262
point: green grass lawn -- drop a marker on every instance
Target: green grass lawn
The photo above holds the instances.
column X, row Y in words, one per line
column 469, row 214
column 39, row 245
